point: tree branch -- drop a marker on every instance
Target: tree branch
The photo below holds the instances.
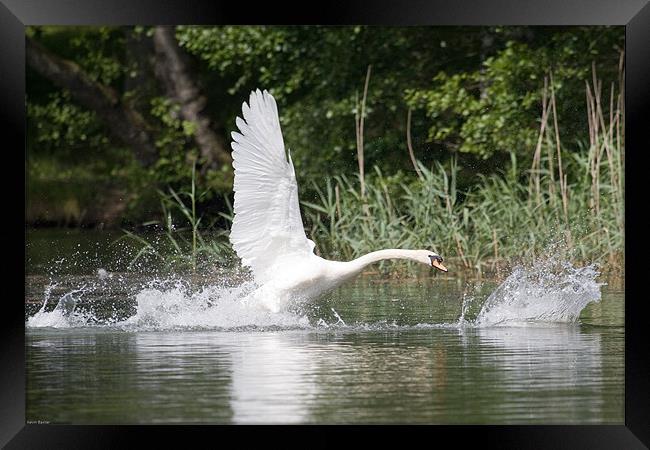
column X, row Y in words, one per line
column 123, row 122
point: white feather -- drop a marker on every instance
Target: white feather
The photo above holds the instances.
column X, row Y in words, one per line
column 267, row 226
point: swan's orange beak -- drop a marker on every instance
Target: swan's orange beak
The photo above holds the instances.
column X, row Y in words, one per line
column 438, row 265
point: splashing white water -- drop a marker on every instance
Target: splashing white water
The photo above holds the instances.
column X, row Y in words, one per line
column 63, row 315
column 211, row 307
column 167, row 304
column 544, row 292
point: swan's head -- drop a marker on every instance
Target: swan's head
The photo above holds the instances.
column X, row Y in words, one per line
column 434, row 260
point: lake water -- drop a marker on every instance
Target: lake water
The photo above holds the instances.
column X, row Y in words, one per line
column 119, row 348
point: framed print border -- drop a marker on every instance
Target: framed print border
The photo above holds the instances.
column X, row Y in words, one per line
column 634, row 14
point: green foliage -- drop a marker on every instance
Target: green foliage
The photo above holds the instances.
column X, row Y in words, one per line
column 58, row 125
column 179, row 241
column 98, row 50
column 495, row 108
column 174, row 145
column 315, row 74
column 568, row 206
column 475, row 93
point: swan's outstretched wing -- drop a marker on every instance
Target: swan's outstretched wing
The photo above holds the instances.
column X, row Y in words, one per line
column 267, row 224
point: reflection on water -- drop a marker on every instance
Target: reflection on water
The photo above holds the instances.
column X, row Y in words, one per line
column 558, row 369
column 289, row 368
column 552, row 374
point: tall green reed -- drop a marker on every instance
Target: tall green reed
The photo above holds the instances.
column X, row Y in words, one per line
column 184, row 245
column 568, row 205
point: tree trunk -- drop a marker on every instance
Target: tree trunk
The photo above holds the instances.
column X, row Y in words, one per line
column 172, row 68
column 124, row 123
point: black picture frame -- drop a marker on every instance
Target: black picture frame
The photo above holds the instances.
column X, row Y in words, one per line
column 16, row 14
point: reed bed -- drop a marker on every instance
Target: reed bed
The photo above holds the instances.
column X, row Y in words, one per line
column 569, row 205
column 179, row 242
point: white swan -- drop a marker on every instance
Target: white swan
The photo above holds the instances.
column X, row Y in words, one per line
column 267, row 231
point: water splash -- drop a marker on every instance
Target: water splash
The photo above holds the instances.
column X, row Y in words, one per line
column 210, row 307
column 63, row 315
column 546, row 292
column 543, row 292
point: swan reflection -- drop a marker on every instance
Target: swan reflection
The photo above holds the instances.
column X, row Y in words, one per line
column 274, row 377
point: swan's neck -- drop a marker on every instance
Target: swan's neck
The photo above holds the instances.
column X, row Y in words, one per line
column 360, row 263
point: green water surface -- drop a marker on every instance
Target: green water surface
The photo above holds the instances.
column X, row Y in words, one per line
column 400, row 358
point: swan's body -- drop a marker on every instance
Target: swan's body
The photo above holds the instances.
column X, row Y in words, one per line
column 267, row 231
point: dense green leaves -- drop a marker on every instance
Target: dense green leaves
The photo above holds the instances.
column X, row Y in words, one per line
column 496, row 107
column 475, row 93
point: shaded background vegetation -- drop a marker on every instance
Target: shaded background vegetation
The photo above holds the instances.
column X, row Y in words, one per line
column 496, row 164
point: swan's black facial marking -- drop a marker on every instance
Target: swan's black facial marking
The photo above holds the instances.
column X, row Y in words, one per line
column 436, row 261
